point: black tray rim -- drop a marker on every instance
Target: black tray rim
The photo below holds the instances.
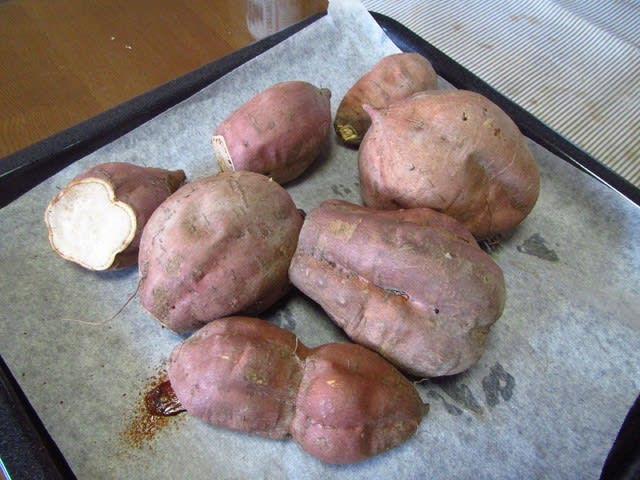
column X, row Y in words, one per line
column 26, row 168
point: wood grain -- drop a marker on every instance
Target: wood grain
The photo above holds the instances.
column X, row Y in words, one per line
column 63, row 62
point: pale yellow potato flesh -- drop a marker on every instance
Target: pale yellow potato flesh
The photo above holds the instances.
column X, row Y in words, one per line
column 88, row 226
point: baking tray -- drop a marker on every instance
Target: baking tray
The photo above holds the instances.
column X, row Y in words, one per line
column 23, row 170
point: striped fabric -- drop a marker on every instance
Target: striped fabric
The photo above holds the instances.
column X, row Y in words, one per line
column 575, row 64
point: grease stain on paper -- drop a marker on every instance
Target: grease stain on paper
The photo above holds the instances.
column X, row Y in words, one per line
column 284, row 319
column 456, row 397
column 449, row 407
column 537, row 246
column 498, row 384
column 460, row 393
column 341, row 190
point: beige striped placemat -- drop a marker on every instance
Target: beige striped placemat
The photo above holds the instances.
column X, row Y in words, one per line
column 573, row 64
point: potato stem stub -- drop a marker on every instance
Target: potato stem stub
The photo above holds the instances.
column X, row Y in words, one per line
column 348, row 134
column 221, row 152
column 279, row 132
column 88, row 226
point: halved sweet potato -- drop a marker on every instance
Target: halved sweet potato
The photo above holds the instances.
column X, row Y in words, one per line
column 96, row 220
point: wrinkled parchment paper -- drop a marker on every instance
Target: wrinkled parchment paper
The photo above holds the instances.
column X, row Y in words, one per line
column 561, row 370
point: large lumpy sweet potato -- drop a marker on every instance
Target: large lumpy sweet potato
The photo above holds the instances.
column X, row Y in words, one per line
column 410, row 284
column 341, row 402
column 454, row 151
column 97, row 219
column 393, row 78
column 278, row 133
column 218, row 246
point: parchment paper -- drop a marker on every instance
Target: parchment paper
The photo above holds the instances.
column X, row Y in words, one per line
column 546, row 400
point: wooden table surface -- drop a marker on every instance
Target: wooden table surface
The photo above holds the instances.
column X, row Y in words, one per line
column 63, row 62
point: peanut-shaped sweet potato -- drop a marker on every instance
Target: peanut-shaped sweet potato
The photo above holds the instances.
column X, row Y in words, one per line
column 341, row 402
column 454, row 151
column 218, row 246
column 393, row 78
column 411, row 284
column 96, row 220
column 278, row 133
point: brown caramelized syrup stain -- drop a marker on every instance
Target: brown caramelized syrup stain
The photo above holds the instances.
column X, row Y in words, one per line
column 153, row 412
column 161, row 401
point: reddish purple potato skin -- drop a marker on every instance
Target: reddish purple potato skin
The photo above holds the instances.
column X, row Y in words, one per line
column 393, row 78
column 411, row 284
column 279, row 132
column 352, row 404
column 342, row 403
column 239, row 373
column 453, row 151
column 220, row 245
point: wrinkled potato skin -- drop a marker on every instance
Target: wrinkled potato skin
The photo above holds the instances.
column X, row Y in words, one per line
column 352, row 404
column 411, row 284
column 280, row 131
column 393, row 78
column 341, row 402
column 239, row 373
column 142, row 188
column 453, row 151
column 218, row 246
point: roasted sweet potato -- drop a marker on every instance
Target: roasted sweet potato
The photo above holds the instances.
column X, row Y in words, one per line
column 341, row 402
column 240, row 373
column 96, row 220
column 218, row 246
column 411, row 284
column 393, row 78
column 278, row 133
column 454, row 151
column 352, row 404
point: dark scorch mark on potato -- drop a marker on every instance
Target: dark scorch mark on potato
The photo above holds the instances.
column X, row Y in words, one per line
column 499, row 383
column 537, row 246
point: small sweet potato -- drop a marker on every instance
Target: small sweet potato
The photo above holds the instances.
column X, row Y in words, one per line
column 411, row 284
column 454, row 151
column 278, row 133
column 393, row 78
column 96, row 220
column 218, row 246
column 341, row 402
